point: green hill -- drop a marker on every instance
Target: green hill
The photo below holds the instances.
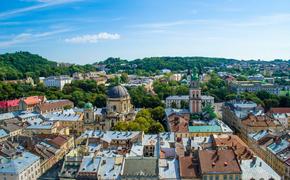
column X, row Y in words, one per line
column 155, row 64
column 22, row 64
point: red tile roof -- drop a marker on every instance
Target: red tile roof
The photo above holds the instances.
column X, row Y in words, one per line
column 178, row 123
column 218, row 162
column 233, row 142
column 189, row 167
column 259, row 121
column 59, row 141
column 33, row 100
column 9, row 103
column 280, row 110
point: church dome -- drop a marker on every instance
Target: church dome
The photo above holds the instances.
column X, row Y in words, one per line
column 88, row 106
column 118, row 92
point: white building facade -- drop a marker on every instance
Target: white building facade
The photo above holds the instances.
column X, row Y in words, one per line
column 57, row 81
column 23, row 167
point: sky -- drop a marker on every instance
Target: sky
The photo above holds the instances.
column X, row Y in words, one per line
column 87, row 31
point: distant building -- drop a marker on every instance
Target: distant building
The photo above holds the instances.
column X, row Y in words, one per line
column 282, row 114
column 255, row 86
column 9, row 106
column 194, row 101
column 22, row 166
column 164, row 71
column 54, row 106
column 57, row 81
column 175, row 77
column 257, row 77
column 69, row 118
column 273, row 148
column 29, row 103
column 246, row 117
column 183, row 101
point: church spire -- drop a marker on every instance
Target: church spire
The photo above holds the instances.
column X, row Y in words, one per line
column 194, row 80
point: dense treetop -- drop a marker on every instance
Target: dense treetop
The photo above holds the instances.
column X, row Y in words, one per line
column 20, row 65
column 155, row 64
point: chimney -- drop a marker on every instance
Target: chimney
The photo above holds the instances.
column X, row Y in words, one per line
column 226, row 163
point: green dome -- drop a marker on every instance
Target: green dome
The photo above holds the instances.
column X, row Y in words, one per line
column 88, row 106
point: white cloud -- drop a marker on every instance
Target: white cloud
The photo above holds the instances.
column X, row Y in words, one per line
column 25, row 37
column 93, row 38
column 43, row 4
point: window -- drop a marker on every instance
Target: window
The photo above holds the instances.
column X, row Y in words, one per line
column 217, row 177
column 231, row 177
column 210, row 177
column 204, row 178
column 225, row 177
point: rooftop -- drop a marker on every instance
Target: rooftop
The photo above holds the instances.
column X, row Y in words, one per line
column 57, row 116
column 9, row 115
column 189, row 167
column 280, row 110
column 278, row 146
column 206, row 128
column 90, row 164
column 111, row 135
column 3, row 133
column 218, row 161
column 18, row 164
column 140, row 166
column 9, row 103
column 110, row 167
column 183, row 97
column 54, row 104
column 44, row 125
column 168, row 169
column 256, row 168
column 26, row 115
column 233, row 142
column 260, row 121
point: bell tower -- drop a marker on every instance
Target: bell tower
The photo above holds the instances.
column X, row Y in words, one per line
column 194, row 94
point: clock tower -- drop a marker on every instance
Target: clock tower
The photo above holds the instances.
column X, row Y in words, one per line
column 194, row 94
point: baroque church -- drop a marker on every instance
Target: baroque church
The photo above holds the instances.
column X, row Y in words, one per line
column 118, row 108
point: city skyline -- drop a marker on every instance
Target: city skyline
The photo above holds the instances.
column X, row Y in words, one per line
column 86, row 31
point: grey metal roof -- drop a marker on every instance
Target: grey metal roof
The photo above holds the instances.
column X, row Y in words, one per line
column 139, row 166
column 117, row 92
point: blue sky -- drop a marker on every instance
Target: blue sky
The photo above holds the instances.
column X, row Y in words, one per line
column 86, row 31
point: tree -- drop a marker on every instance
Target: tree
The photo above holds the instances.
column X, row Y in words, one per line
column 145, row 113
column 173, row 105
column 143, row 122
column 158, row 113
column 100, row 101
column 184, row 105
column 124, row 78
column 156, row 128
column 241, row 78
column 263, row 95
column 285, row 101
column 209, row 112
column 268, row 103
